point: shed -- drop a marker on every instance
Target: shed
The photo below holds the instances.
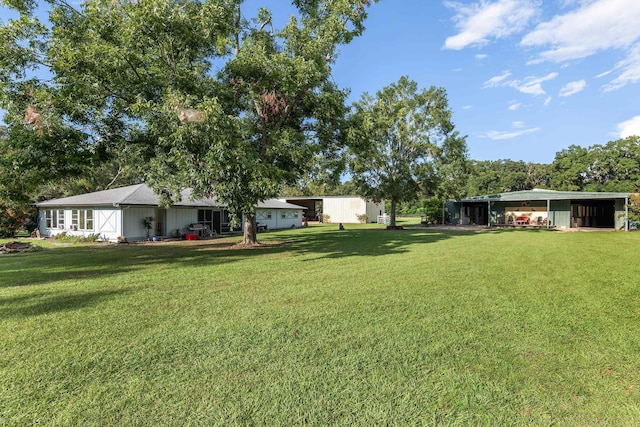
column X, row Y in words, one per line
column 548, row 208
column 344, row 209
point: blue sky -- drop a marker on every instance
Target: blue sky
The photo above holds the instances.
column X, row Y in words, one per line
column 525, row 78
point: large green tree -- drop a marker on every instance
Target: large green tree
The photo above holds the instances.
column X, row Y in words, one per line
column 189, row 91
column 500, row 176
column 403, row 144
column 614, row 166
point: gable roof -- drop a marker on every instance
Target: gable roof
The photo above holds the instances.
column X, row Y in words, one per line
column 542, row 194
column 142, row 195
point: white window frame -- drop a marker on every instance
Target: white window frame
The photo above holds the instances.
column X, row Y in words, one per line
column 54, row 218
column 82, row 219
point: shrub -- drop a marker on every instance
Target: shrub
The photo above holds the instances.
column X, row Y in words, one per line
column 362, row 218
column 13, row 217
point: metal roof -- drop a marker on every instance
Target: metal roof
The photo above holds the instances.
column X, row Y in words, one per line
column 142, row 195
column 541, row 194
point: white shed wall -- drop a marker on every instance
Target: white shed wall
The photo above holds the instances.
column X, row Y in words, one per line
column 373, row 210
column 343, row 209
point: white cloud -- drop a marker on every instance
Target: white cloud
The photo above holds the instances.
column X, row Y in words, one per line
column 514, row 105
column 547, row 101
column 482, row 21
column 467, row 107
column 629, row 70
column 606, row 73
column 594, row 26
column 630, row 127
column 532, row 85
column 481, row 56
column 517, row 124
column 496, row 80
column 499, row 135
column 572, row 88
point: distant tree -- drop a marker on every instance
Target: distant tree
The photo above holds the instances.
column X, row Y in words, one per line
column 500, row 176
column 399, row 141
column 634, row 207
column 614, row 166
column 570, row 170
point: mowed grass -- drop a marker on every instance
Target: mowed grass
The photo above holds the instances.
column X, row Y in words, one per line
column 359, row 327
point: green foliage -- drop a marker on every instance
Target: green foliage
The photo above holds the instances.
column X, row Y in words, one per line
column 402, row 144
column 68, row 238
column 500, row 176
column 147, row 223
column 362, row 218
column 614, row 166
column 15, row 216
column 634, row 208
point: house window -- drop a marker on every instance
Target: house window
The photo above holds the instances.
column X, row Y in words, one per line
column 54, row 218
column 82, row 219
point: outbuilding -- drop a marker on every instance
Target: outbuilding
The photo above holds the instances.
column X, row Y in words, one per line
column 121, row 212
column 339, row 209
column 544, row 208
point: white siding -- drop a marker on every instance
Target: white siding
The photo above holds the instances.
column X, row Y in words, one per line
column 179, row 219
column 280, row 218
column 343, row 209
column 373, row 210
column 132, row 222
column 106, row 222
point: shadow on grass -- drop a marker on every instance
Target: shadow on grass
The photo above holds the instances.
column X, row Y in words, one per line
column 367, row 243
column 99, row 261
column 36, row 304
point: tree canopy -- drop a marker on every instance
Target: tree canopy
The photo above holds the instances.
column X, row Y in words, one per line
column 189, row 92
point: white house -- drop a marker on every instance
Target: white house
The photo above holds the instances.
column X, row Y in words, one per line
column 121, row 211
column 344, row 209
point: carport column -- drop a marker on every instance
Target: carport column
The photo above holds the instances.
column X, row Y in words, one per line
column 626, row 213
column 489, row 213
column 548, row 212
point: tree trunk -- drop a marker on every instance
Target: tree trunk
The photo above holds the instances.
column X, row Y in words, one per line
column 393, row 214
column 250, row 238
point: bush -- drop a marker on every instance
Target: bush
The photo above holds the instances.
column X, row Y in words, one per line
column 13, row 217
column 362, row 218
column 326, row 218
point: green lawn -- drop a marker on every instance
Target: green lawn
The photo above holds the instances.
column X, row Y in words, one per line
column 359, row 327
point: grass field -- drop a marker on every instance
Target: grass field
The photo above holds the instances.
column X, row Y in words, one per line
column 360, row 327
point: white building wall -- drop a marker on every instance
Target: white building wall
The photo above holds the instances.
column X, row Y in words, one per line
column 279, row 218
column 132, row 222
column 343, row 209
column 107, row 222
column 179, row 219
column 373, row 210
